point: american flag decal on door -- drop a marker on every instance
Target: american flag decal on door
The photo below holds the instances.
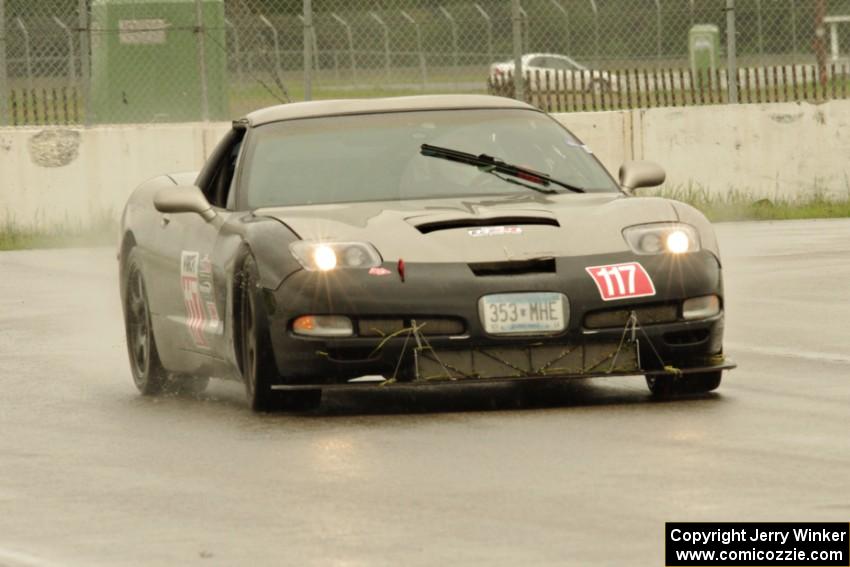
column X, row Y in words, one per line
column 196, row 318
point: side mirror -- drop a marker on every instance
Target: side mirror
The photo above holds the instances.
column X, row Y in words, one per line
column 183, row 199
column 637, row 174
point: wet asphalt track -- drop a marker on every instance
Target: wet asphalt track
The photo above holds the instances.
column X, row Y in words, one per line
column 584, row 473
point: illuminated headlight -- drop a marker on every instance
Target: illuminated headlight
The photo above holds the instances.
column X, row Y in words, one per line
column 671, row 238
column 701, row 307
column 327, row 256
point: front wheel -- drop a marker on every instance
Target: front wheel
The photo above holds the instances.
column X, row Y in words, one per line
column 259, row 370
column 665, row 386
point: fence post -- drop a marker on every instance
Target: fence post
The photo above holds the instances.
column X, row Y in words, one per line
column 516, row 18
column 4, row 91
column 308, row 50
column 526, row 29
column 316, row 66
column 419, row 48
column 85, row 64
column 731, row 53
column 200, row 32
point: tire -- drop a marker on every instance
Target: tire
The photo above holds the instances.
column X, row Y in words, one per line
column 150, row 377
column 703, row 382
column 259, row 370
column 661, row 386
column 666, row 386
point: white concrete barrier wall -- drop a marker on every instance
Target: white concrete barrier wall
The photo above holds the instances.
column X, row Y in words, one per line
column 72, row 176
column 770, row 150
column 69, row 176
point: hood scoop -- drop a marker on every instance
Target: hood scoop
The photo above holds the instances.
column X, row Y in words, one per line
column 427, row 225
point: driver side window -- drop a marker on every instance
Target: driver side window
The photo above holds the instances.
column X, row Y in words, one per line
column 216, row 180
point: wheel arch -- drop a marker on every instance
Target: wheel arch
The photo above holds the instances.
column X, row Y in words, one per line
column 243, row 253
column 266, row 240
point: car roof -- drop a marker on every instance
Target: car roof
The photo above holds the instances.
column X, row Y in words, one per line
column 558, row 55
column 315, row 109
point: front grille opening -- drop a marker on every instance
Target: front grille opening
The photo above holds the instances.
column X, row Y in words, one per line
column 379, row 327
column 435, row 226
column 514, row 267
column 686, row 337
column 646, row 315
column 352, row 355
column 431, row 326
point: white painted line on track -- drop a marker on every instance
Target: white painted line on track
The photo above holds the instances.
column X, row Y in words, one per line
column 12, row 558
column 790, row 353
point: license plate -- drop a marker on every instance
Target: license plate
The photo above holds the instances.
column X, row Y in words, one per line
column 524, row 313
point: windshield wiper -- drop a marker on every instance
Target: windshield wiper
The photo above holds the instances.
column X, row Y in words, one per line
column 496, row 166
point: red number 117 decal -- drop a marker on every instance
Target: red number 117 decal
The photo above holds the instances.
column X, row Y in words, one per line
column 622, row 281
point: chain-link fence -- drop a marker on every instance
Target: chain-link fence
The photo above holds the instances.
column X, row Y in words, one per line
column 98, row 61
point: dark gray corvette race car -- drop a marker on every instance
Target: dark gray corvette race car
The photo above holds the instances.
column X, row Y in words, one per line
column 414, row 240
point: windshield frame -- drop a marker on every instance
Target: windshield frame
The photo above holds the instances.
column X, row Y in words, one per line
column 249, row 146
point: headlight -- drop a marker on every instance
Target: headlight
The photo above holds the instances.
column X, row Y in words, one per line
column 701, row 307
column 669, row 237
column 327, row 256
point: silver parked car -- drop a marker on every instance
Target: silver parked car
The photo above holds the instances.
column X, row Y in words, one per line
column 564, row 72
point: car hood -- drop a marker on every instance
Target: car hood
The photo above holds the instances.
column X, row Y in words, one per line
column 467, row 229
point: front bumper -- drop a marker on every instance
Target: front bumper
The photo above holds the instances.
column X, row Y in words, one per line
column 453, row 291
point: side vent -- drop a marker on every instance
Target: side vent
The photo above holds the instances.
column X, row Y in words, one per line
column 452, row 224
column 514, row 268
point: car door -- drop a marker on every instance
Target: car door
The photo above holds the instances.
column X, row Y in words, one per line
column 192, row 274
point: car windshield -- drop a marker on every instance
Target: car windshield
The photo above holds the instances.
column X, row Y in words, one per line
column 377, row 157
